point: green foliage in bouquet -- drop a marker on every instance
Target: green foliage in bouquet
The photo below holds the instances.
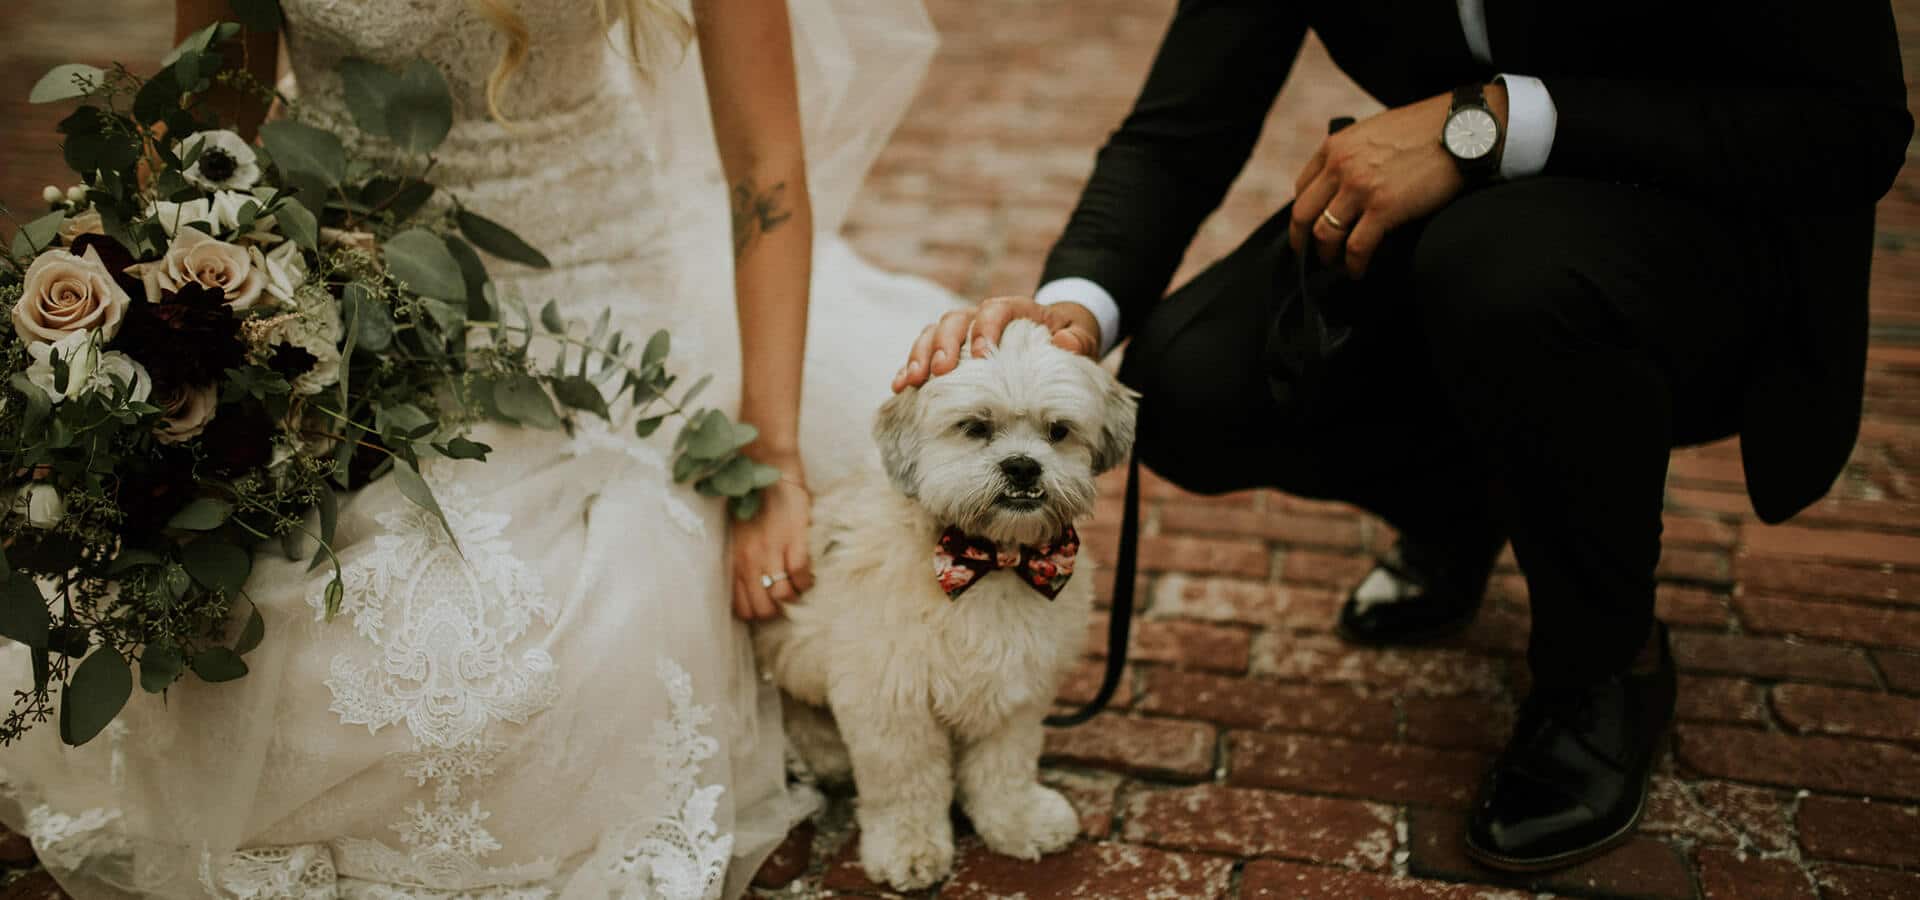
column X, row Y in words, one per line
column 211, row 339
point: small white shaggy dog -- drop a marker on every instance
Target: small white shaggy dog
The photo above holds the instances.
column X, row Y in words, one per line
column 929, row 636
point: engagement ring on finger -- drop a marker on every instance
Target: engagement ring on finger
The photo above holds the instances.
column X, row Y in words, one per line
column 768, row 581
column 1333, row 220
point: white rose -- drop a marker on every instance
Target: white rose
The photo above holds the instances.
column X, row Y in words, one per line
column 197, row 258
column 285, row 268
column 226, row 214
column 128, row 370
column 41, row 504
column 185, row 412
column 77, row 351
column 66, row 294
column 225, row 161
column 173, row 216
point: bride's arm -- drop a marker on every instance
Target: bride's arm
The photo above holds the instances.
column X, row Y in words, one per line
column 257, row 53
column 747, row 51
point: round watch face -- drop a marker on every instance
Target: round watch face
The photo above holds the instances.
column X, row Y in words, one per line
column 1471, row 133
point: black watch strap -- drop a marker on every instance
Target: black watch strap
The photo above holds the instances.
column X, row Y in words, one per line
column 1476, row 171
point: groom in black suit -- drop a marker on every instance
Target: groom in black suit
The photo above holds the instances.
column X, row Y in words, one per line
column 1581, row 235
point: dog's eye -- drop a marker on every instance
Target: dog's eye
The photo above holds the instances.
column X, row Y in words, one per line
column 1059, row 431
column 978, row 429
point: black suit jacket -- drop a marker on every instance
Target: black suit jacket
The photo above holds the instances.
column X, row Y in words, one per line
column 1793, row 110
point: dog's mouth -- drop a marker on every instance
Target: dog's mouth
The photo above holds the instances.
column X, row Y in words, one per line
column 1022, row 499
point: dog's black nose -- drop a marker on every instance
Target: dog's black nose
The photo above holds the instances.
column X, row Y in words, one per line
column 1021, row 471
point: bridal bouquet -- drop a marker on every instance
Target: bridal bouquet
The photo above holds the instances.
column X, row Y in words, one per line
column 208, row 339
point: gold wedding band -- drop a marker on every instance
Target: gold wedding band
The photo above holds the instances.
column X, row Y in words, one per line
column 1327, row 216
column 768, row 581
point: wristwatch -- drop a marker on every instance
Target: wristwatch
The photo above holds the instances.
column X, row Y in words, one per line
column 1472, row 135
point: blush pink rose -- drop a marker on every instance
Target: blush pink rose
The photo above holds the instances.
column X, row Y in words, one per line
column 66, row 294
column 198, row 258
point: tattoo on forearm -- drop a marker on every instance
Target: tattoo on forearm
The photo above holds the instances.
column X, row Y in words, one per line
column 756, row 211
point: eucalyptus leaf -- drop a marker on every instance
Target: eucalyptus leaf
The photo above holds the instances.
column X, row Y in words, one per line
column 735, row 479
column 692, row 392
column 252, row 633
column 522, row 399
column 498, row 240
column 368, row 322
column 218, row 664
column 415, row 488
column 95, row 693
column 398, row 197
column 65, row 82
column 647, row 426
column 298, row 224
column 366, row 86
column 160, row 667
column 200, row 40
column 421, row 259
column 657, row 347
column 304, row 149
column 217, row 565
column 550, row 318
column 201, row 514
column 23, row 611
column 462, row 448
column 474, row 272
column 406, row 420
column 745, row 508
column 576, row 392
column 420, row 108
column 38, row 234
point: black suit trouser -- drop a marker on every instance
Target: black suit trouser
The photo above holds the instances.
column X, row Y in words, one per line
column 1522, row 363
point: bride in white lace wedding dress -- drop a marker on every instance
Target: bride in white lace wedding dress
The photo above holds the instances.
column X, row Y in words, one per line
column 563, row 705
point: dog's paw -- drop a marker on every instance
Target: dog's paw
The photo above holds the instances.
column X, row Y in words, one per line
column 1026, row 824
column 906, row 852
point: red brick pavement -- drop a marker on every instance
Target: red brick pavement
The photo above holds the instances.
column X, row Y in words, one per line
column 1252, row 754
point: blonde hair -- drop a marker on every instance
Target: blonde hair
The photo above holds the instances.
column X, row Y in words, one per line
column 652, row 28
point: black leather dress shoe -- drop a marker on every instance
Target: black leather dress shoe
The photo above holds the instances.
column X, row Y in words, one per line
column 1573, row 781
column 1418, row 593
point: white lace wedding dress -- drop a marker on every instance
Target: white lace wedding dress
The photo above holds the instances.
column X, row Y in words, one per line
column 563, row 706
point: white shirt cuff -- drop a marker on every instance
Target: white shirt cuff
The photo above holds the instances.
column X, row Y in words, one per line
column 1531, row 123
column 1090, row 295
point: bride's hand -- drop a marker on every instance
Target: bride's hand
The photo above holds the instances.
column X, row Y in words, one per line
column 773, row 544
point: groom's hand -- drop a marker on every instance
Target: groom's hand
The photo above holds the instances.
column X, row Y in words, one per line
column 937, row 351
column 1374, row 176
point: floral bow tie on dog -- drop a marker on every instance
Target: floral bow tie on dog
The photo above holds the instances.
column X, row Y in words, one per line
column 961, row 560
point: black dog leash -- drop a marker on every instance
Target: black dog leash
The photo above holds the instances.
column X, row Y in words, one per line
column 1325, row 338
column 1120, row 619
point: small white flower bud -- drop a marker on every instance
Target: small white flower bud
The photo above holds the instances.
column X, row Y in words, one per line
column 77, row 194
column 52, row 194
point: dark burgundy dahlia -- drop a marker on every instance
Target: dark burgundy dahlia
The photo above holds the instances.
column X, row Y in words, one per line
column 191, row 337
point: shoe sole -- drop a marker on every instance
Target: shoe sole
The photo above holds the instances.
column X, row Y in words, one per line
column 1571, row 857
column 1414, row 639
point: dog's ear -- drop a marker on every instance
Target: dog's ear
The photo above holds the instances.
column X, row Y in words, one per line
column 1119, row 407
column 897, row 432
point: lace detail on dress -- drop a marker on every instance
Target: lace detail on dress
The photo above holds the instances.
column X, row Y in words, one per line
column 275, row 873
column 682, row 855
column 65, row 841
column 444, row 612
